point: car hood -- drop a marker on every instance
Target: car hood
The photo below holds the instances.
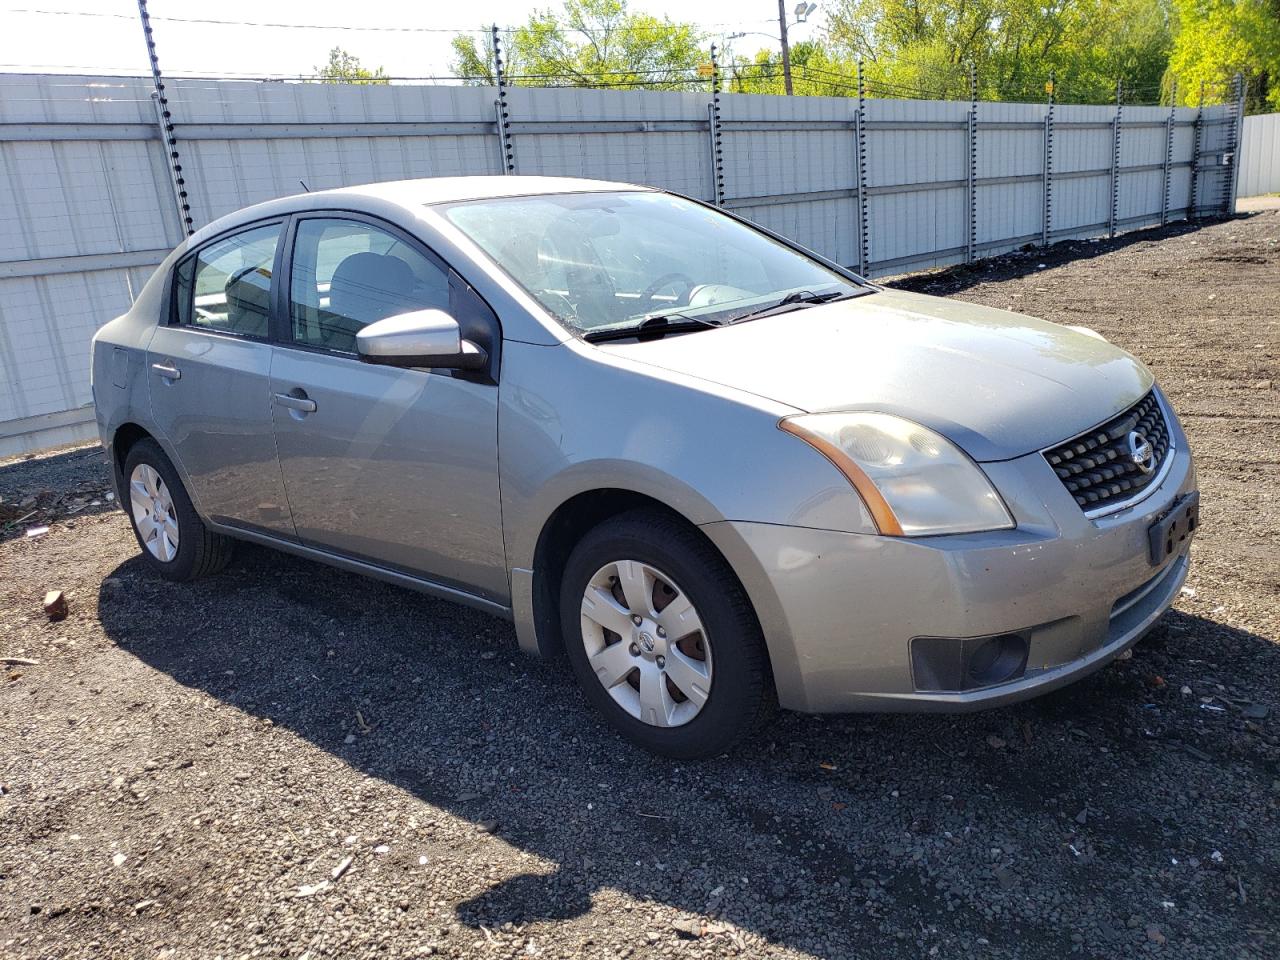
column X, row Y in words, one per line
column 997, row 383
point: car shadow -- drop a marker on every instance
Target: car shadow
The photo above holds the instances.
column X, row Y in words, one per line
column 810, row 836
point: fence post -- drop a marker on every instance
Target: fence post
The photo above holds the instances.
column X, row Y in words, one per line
column 1046, row 227
column 1237, row 131
column 168, row 140
column 713, row 125
column 1114, row 216
column 1193, row 211
column 1168, row 153
column 860, row 130
column 971, row 241
column 505, row 143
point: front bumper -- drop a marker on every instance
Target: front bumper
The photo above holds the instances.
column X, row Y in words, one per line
column 840, row 610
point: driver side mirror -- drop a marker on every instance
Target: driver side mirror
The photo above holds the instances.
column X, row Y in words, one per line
column 422, row 338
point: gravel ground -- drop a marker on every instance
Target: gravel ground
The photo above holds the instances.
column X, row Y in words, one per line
column 291, row 761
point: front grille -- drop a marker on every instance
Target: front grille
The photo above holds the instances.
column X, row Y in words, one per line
column 1097, row 467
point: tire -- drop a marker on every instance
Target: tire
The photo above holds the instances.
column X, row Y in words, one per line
column 733, row 693
column 198, row 551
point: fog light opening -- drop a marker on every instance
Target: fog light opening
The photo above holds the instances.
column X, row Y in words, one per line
column 997, row 660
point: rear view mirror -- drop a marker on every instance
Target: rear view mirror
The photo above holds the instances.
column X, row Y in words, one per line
column 422, row 338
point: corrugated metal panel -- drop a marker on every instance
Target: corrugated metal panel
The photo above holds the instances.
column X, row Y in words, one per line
column 918, row 145
column 1260, row 161
column 1010, row 145
column 83, row 175
column 673, row 159
column 46, row 324
column 228, row 174
column 768, row 159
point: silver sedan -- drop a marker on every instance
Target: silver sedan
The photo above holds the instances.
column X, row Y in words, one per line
column 710, row 470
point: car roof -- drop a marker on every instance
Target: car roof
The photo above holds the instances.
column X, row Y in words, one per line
column 382, row 198
column 448, row 189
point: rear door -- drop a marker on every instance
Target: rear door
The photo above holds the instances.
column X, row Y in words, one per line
column 393, row 466
column 209, row 378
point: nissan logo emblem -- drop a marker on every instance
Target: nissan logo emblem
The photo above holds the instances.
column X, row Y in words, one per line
column 1141, row 452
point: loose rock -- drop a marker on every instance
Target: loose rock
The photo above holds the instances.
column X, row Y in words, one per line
column 55, row 605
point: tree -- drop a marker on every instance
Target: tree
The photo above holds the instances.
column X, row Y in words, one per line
column 924, row 47
column 1217, row 39
column 344, row 67
column 815, row 72
column 591, row 43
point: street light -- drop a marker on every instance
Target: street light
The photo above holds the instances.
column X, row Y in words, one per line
column 801, row 12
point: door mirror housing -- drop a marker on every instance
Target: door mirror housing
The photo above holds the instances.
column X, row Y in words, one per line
column 422, row 338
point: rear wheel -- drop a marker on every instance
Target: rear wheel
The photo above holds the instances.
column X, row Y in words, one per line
column 662, row 638
column 175, row 542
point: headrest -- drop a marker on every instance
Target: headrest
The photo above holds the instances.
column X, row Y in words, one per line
column 370, row 286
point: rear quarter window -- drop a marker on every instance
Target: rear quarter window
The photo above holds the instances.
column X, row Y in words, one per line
column 182, row 290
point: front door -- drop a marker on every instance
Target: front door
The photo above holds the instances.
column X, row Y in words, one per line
column 393, row 466
column 209, row 379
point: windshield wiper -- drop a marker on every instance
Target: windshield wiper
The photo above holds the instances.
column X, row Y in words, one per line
column 651, row 328
column 659, row 325
column 794, row 301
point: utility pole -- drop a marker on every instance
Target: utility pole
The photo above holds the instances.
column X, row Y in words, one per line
column 786, row 47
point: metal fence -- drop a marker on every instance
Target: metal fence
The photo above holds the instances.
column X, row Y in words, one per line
column 1260, row 155
column 88, row 205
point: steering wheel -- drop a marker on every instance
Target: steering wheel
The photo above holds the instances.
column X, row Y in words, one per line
column 568, row 309
column 667, row 278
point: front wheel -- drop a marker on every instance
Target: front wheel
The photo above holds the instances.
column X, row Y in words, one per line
column 662, row 638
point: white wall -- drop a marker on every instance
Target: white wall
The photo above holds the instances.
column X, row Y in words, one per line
column 87, row 209
column 1260, row 155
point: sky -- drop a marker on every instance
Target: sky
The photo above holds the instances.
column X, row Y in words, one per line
column 34, row 37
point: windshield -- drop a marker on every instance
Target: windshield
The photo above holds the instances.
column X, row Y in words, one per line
column 599, row 261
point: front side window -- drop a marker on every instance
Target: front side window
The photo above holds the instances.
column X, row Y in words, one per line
column 347, row 274
column 226, row 286
column 603, row 260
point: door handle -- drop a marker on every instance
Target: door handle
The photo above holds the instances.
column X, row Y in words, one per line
column 301, row 404
column 168, row 371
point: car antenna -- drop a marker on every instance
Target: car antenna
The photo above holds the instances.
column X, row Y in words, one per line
column 304, row 185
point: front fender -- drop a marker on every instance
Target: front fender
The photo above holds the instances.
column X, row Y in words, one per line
column 574, row 418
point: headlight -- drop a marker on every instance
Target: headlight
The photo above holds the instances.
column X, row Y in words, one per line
column 914, row 482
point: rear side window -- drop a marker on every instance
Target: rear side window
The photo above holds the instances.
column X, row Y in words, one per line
column 348, row 274
column 226, row 286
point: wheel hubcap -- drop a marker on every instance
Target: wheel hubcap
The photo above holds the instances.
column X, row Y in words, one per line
column 645, row 642
column 153, row 512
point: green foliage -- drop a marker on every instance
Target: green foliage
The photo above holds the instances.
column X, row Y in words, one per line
column 344, row 67
column 814, row 72
column 924, row 47
column 1217, row 39
column 591, row 43
column 916, row 48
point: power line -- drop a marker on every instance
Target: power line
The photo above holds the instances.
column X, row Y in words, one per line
column 1022, row 88
column 126, row 73
column 643, row 77
column 210, row 21
column 600, row 80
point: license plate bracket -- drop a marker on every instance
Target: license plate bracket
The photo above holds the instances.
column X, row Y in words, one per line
column 1167, row 534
